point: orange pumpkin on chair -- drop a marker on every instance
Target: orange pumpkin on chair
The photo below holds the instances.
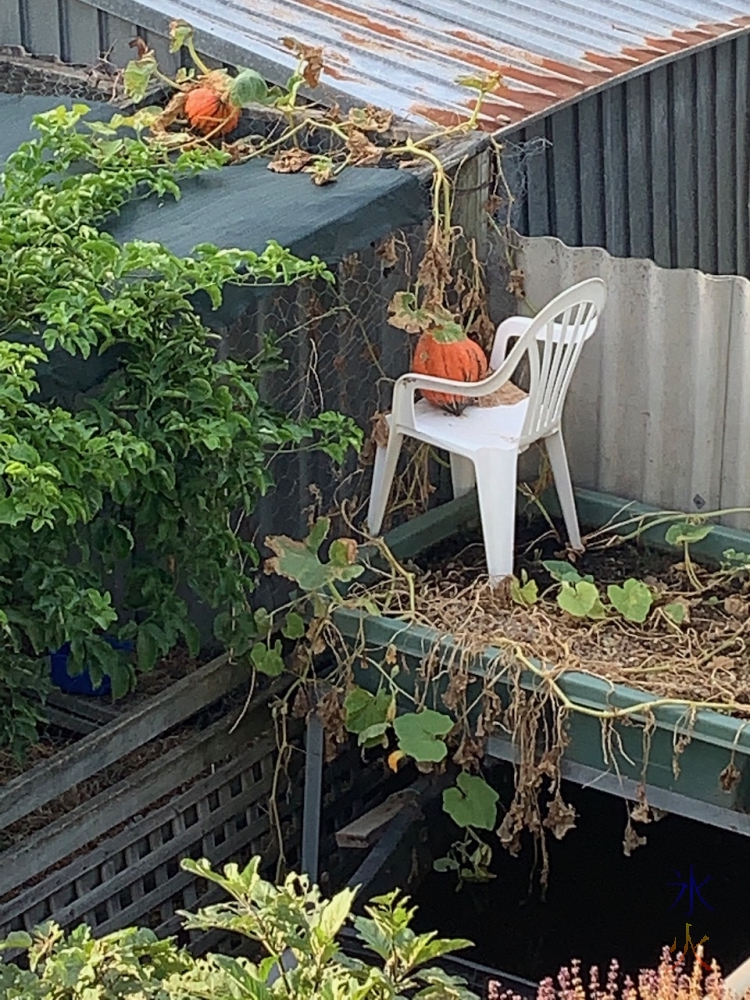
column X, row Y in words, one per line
column 446, row 352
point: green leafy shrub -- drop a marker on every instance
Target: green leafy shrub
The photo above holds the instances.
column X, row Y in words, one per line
column 295, row 928
column 150, row 467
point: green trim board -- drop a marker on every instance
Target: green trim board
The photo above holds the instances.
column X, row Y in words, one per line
column 689, row 779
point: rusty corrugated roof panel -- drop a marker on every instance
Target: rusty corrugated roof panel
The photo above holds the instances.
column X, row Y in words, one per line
column 405, row 55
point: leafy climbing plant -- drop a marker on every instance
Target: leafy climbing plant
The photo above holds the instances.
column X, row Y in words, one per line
column 153, row 464
column 294, row 927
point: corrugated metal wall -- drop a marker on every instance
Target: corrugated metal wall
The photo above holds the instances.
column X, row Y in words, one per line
column 655, row 167
column 659, row 406
column 76, row 32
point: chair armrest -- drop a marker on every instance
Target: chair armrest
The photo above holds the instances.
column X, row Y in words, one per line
column 406, row 386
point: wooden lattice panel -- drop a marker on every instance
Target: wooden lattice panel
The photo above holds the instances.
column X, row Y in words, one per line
column 135, row 876
column 114, row 859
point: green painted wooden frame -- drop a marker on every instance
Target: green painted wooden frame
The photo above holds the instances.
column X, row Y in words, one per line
column 687, row 782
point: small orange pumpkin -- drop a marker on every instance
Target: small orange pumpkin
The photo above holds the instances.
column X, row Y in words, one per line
column 208, row 113
column 446, row 352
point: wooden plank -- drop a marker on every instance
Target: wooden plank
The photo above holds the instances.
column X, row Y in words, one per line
column 52, row 777
column 683, row 136
column 565, row 185
column 97, row 710
column 537, row 181
column 615, row 170
column 43, row 29
column 725, row 116
column 168, row 885
column 705, row 137
column 82, row 31
column 640, row 221
column 10, row 23
column 366, row 830
column 661, row 200
column 70, row 723
column 126, row 799
column 742, row 83
column 84, row 869
column 471, row 191
column 591, row 172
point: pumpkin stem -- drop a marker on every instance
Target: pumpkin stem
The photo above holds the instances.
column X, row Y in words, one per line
column 447, row 333
column 195, row 57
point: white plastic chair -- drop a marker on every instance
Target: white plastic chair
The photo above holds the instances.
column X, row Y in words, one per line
column 484, row 442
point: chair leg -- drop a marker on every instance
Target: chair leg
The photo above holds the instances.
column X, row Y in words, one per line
column 496, row 487
column 463, row 475
column 386, row 460
column 558, row 459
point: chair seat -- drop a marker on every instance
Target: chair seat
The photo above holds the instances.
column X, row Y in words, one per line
column 476, row 428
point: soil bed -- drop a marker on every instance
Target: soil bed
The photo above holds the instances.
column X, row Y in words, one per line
column 705, row 658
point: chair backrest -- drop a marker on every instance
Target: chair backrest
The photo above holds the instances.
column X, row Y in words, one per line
column 553, row 341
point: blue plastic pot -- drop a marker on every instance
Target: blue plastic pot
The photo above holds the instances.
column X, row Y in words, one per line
column 82, row 684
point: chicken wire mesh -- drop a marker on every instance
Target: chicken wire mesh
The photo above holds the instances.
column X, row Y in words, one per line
column 341, row 354
column 47, row 76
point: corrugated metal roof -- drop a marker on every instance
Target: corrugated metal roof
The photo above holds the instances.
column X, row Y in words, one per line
column 404, row 55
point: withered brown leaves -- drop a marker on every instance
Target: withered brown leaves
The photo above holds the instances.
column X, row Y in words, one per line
column 290, row 161
column 370, row 119
column 311, row 56
column 174, row 110
column 139, row 45
column 362, row 152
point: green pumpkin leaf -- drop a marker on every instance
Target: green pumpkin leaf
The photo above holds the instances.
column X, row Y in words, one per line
column 578, row 599
column 374, row 736
column 562, row 571
column 294, row 626
column 732, row 558
column 472, row 802
column 365, row 710
column 675, row 612
column 180, row 33
column 445, row 865
column 267, row 660
column 524, row 591
column 262, row 621
column 598, row 612
column 137, row 76
column 633, row 599
column 248, row 87
column 687, row 532
column 318, row 533
column 299, row 561
column 419, row 734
